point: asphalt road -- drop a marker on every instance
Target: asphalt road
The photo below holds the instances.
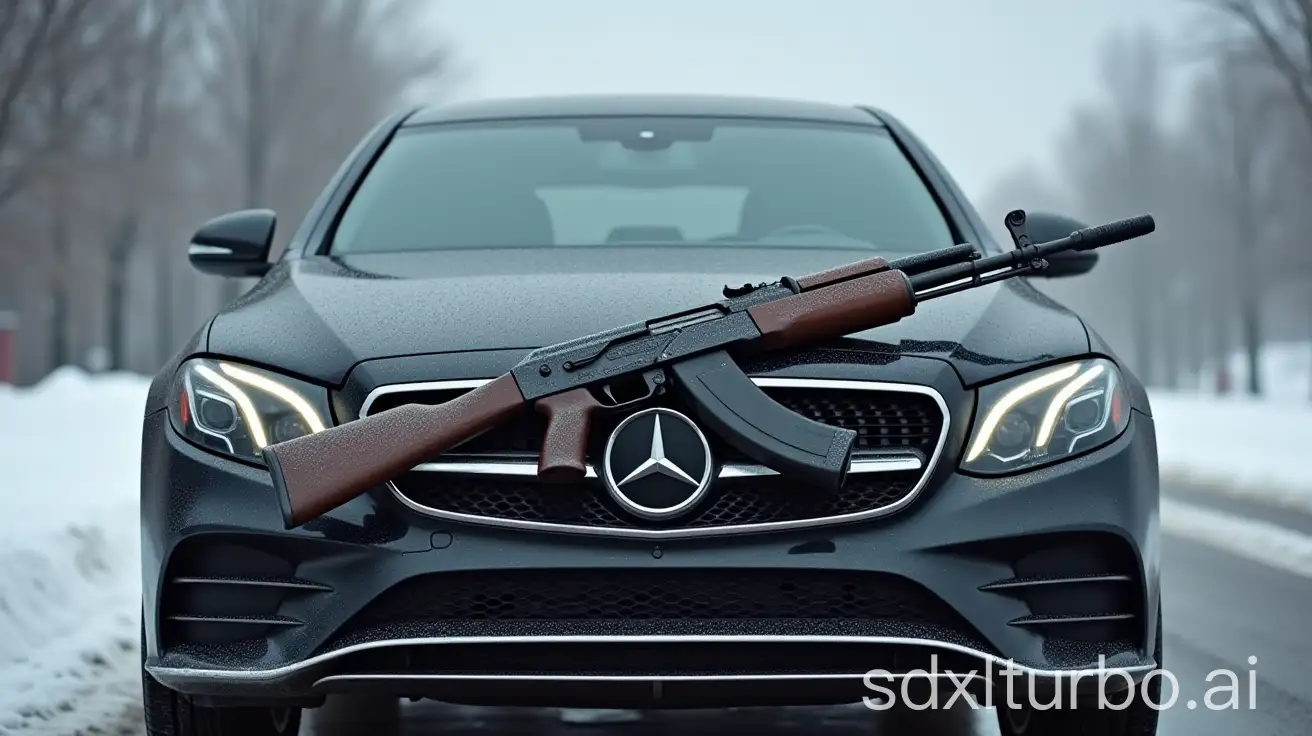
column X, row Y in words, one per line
column 1220, row 611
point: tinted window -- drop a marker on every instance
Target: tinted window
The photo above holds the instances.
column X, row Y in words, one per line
column 608, row 182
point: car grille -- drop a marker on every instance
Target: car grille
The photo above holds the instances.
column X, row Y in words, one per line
column 887, row 419
column 641, row 594
column 737, row 502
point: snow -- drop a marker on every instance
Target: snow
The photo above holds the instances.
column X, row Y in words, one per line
column 70, row 557
column 1237, row 445
column 1284, row 372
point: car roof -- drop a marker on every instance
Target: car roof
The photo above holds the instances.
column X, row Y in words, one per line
column 623, row 105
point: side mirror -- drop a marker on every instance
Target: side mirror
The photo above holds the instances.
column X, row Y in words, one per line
column 1044, row 227
column 234, row 245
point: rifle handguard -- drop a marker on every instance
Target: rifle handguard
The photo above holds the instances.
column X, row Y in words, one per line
column 838, row 310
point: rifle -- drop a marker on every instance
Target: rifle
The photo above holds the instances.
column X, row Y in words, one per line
column 570, row 382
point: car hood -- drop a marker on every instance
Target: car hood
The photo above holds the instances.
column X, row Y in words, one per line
column 318, row 317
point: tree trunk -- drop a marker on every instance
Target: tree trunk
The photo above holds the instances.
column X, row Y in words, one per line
column 1221, row 345
column 256, row 133
column 163, row 307
column 1145, row 354
column 1194, row 331
column 1250, row 296
column 59, row 277
column 119, row 258
column 1251, row 327
column 1246, row 235
column 1171, row 345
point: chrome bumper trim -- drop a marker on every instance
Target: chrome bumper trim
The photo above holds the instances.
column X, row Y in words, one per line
column 462, row 677
column 278, row 673
column 881, row 463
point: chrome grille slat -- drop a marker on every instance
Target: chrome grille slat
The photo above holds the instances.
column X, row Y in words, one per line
column 888, row 448
column 868, row 463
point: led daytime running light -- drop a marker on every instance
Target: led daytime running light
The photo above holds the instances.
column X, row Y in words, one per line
column 248, row 411
column 295, row 400
column 1010, row 399
column 1059, row 402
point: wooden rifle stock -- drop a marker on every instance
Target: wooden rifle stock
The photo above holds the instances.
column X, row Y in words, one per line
column 319, row 472
column 841, row 273
column 830, row 312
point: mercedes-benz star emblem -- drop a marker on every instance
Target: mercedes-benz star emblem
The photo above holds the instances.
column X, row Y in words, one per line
column 657, row 464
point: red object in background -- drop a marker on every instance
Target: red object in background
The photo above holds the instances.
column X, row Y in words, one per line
column 1223, row 381
column 8, row 326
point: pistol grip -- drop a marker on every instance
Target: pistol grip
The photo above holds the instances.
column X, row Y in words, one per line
column 565, row 444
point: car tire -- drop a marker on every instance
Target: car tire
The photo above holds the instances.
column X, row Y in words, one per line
column 1086, row 718
column 170, row 713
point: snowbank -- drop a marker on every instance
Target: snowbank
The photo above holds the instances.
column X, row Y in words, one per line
column 1237, row 445
column 69, row 552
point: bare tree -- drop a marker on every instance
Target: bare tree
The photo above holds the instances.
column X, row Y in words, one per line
column 1279, row 32
column 123, row 123
column 25, row 31
column 1112, row 154
column 296, row 82
column 50, row 115
column 1233, row 127
column 160, row 36
column 1276, row 35
column 1222, row 187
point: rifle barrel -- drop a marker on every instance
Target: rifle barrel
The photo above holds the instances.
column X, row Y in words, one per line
column 1021, row 261
column 922, row 262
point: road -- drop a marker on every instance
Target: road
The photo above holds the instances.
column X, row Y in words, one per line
column 1220, row 609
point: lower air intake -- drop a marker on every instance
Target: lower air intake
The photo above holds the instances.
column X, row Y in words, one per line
column 593, row 595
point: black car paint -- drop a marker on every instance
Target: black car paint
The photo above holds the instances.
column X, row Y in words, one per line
column 357, row 323
column 347, row 310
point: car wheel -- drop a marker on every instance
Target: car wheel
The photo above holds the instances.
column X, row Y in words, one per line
column 1086, row 718
column 170, row 713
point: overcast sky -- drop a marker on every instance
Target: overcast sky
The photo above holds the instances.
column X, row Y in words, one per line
column 984, row 82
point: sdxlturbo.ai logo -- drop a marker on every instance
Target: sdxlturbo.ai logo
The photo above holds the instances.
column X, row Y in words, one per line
column 1009, row 686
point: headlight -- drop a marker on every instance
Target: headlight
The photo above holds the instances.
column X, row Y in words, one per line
column 237, row 410
column 1045, row 416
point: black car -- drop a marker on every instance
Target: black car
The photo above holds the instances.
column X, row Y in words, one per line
column 1001, row 508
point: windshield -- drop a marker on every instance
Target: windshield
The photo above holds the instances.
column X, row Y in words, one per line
column 617, row 182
